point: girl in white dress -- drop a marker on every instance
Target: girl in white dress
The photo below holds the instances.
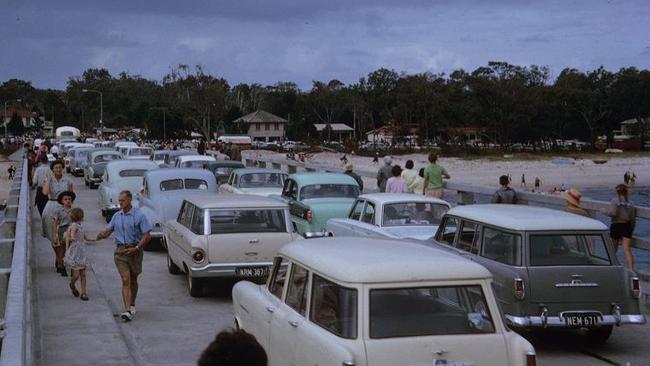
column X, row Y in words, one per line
column 76, row 256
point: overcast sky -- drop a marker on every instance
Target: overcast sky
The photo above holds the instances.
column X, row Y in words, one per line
column 265, row 41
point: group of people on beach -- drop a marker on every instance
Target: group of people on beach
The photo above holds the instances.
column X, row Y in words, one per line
column 426, row 181
column 62, row 225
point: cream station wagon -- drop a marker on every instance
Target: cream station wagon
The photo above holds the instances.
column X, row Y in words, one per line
column 121, row 175
column 551, row 268
column 391, row 215
column 376, row 302
column 233, row 236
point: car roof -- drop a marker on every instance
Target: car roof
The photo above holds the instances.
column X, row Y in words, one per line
column 526, row 218
column 182, row 152
column 219, row 201
column 226, row 163
column 104, row 152
column 322, row 178
column 183, row 158
column 241, row 171
column 386, row 198
column 158, row 175
column 117, row 166
column 365, row 260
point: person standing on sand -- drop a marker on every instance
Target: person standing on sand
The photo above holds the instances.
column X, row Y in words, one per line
column 523, row 181
column 572, row 197
column 417, row 186
column 538, row 184
column 396, row 183
column 348, row 171
column 375, row 159
column 623, row 214
column 384, row 173
column 409, row 174
column 505, row 194
column 433, row 176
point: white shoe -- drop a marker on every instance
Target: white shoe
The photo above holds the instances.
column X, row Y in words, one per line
column 127, row 316
column 132, row 309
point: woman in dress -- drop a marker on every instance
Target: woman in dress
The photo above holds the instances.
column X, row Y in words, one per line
column 623, row 214
column 76, row 256
column 55, row 183
column 60, row 223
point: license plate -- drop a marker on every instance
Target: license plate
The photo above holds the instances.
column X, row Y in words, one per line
column 252, row 271
column 581, row 320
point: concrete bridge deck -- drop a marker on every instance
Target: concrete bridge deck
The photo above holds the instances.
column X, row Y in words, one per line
column 172, row 328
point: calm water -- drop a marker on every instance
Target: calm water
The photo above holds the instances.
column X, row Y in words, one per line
column 640, row 197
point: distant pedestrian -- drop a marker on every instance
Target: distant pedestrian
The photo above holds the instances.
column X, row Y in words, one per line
column 433, row 176
column 538, row 184
column 233, row 348
column 60, row 223
column 523, row 180
column 349, row 171
column 396, row 183
column 409, row 174
column 201, row 147
column 623, row 214
column 572, row 197
column 384, row 173
column 375, row 159
column 38, row 180
column 132, row 232
column 417, row 186
column 11, row 171
column 344, row 159
column 235, row 153
column 505, row 194
column 76, row 256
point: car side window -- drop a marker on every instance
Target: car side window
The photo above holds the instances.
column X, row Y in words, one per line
column 186, row 219
column 447, row 231
column 181, row 212
column 293, row 191
column 501, row 246
column 334, row 307
column 468, row 238
column 287, row 187
column 278, row 277
column 369, row 214
column 197, row 222
column 355, row 213
column 297, row 290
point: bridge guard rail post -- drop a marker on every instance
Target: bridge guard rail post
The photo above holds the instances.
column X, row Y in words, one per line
column 16, row 347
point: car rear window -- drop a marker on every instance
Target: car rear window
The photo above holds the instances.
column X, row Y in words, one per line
column 200, row 164
column 413, row 214
column 334, row 307
column 262, row 180
column 329, row 191
column 107, row 157
column 569, row 249
column 177, row 184
column 132, row 173
column 139, row 152
column 247, row 221
column 427, row 311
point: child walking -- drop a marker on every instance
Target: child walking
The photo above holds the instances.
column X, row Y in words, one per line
column 75, row 256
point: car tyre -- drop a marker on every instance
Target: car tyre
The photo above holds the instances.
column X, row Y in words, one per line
column 194, row 286
column 172, row 267
column 599, row 335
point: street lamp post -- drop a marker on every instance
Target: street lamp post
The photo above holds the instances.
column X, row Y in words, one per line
column 101, row 108
column 4, row 116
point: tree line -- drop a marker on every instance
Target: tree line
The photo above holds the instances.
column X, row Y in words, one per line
column 509, row 103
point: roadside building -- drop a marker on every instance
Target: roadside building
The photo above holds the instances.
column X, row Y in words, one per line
column 339, row 131
column 264, row 126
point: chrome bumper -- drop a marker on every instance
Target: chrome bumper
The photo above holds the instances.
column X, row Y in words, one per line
column 156, row 234
column 110, row 211
column 559, row 322
column 224, row 269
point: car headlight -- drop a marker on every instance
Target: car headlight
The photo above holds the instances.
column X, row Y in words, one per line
column 198, row 256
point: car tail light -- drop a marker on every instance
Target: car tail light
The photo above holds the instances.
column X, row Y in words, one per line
column 198, row 256
column 636, row 287
column 520, row 289
column 531, row 359
column 309, row 215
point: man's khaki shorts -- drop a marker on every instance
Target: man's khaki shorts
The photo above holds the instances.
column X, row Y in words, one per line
column 125, row 263
column 436, row 193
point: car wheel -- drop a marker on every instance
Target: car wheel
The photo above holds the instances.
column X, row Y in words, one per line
column 86, row 182
column 171, row 267
column 194, row 286
column 600, row 334
column 94, row 186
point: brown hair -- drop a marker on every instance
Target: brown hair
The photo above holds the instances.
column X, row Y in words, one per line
column 621, row 190
column 76, row 214
column 433, row 157
column 396, row 170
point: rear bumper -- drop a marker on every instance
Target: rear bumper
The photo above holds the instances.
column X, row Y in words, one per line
column 156, row 234
column 224, row 269
column 109, row 211
column 559, row 322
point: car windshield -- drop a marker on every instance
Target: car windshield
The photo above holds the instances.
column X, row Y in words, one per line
column 247, row 221
column 106, row 157
column 329, row 191
column 570, row 249
column 139, row 152
column 81, row 154
column 426, row 311
column 178, row 184
column 413, row 213
column 193, row 164
column 132, row 173
column 262, row 180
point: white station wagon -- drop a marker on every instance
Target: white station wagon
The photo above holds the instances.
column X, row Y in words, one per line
column 376, row 302
column 226, row 236
column 261, row 182
column 391, row 215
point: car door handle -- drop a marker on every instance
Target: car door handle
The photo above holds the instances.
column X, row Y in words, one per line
column 270, row 309
column 293, row 323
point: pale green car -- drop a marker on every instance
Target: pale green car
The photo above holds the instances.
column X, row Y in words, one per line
column 314, row 198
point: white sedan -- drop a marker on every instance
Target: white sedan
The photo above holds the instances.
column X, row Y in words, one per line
column 362, row 302
column 391, row 215
column 260, row 182
column 121, row 175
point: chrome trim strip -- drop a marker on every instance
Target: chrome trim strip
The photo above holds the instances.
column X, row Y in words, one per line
column 224, row 269
column 576, row 284
column 559, row 322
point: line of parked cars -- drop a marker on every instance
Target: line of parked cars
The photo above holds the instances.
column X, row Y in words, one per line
column 388, row 279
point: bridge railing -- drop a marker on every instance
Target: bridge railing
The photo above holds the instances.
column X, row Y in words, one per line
column 15, row 275
column 466, row 192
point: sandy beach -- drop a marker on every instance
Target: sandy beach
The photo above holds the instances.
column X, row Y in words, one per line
column 583, row 174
